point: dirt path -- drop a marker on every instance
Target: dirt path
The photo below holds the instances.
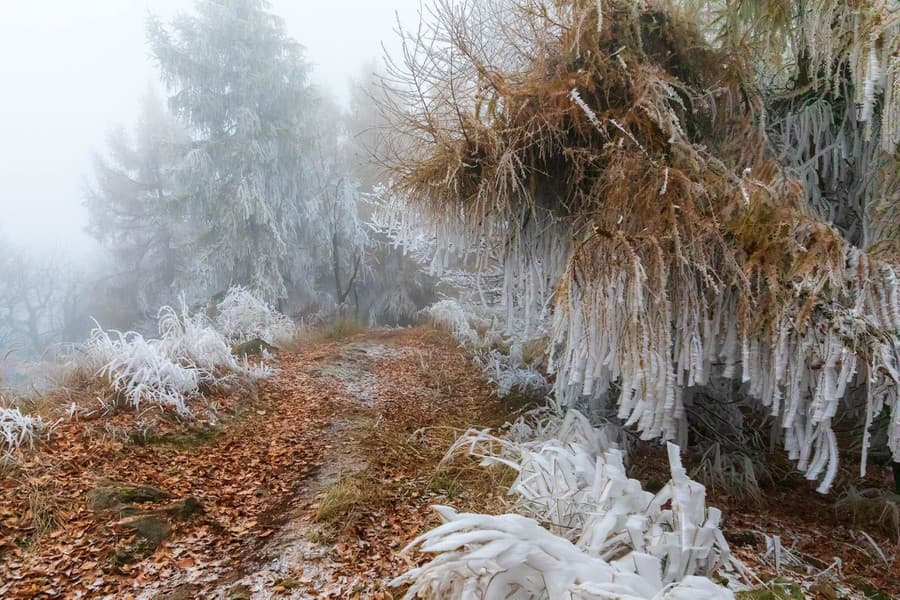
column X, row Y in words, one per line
column 300, row 497
column 307, row 488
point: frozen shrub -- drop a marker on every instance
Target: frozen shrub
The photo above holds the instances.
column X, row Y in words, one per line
column 188, row 357
column 142, row 371
column 510, row 556
column 193, row 338
column 242, row 316
column 510, row 374
column 498, row 353
column 452, row 315
column 586, row 530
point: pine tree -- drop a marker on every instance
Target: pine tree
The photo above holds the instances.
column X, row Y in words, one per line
column 135, row 209
column 240, row 84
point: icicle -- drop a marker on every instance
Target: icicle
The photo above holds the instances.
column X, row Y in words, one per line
column 833, row 460
column 869, row 417
column 746, row 367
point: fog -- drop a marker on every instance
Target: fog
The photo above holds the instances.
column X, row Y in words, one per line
column 70, row 71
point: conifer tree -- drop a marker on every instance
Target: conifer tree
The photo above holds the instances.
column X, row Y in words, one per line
column 239, row 82
column 136, row 211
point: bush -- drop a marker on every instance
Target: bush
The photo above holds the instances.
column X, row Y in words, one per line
column 587, row 530
column 242, row 317
column 190, row 356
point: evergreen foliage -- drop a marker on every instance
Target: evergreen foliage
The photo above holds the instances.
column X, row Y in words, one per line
column 135, row 209
column 241, row 85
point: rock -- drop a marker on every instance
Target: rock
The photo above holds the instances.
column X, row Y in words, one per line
column 239, row 592
column 152, row 528
column 127, row 510
column 131, row 553
column 252, row 347
column 187, row 591
column 181, row 509
column 112, row 495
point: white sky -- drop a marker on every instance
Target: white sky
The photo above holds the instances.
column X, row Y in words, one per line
column 71, row 69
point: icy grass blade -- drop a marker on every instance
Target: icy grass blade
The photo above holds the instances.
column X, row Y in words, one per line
column 189, row 356
column 17, row 430
column 511, row 556
column 586, row 530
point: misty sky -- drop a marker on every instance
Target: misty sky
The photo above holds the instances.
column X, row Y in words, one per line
column 70, row 70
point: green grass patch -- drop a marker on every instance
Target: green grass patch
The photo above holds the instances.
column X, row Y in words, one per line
column 776, row 590
column 184, row 439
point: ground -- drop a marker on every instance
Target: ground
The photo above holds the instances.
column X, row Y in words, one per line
column 307, row 487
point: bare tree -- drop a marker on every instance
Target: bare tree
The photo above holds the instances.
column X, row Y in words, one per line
column 36, row 293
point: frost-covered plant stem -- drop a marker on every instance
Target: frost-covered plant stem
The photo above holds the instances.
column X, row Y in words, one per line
column 188, row 357
column 17, row 430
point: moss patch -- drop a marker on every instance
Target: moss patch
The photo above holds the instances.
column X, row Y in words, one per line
column 252, row 347
column 776, row 590
column 112, row 495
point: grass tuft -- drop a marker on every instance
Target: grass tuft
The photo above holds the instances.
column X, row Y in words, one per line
column 341, row 502
column 339, row 330
column 45, row 510
column 342, row 329
column 871, row 509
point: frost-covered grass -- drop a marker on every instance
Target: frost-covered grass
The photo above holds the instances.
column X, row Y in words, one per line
column 243, row 316
column 189, row 357
column 498, row 352
column 511, row 556
column 452, row 315
column 17, row 430
column 584, row 529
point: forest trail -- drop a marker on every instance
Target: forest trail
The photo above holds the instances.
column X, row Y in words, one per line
column 310, row 485
column 307, row 488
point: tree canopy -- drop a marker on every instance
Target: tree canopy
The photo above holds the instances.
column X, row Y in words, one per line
column 136, row 211
column 718, row 178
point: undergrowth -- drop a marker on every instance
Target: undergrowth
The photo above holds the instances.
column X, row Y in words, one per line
column 871, row 509
column 343, row 501
column 341, row 329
